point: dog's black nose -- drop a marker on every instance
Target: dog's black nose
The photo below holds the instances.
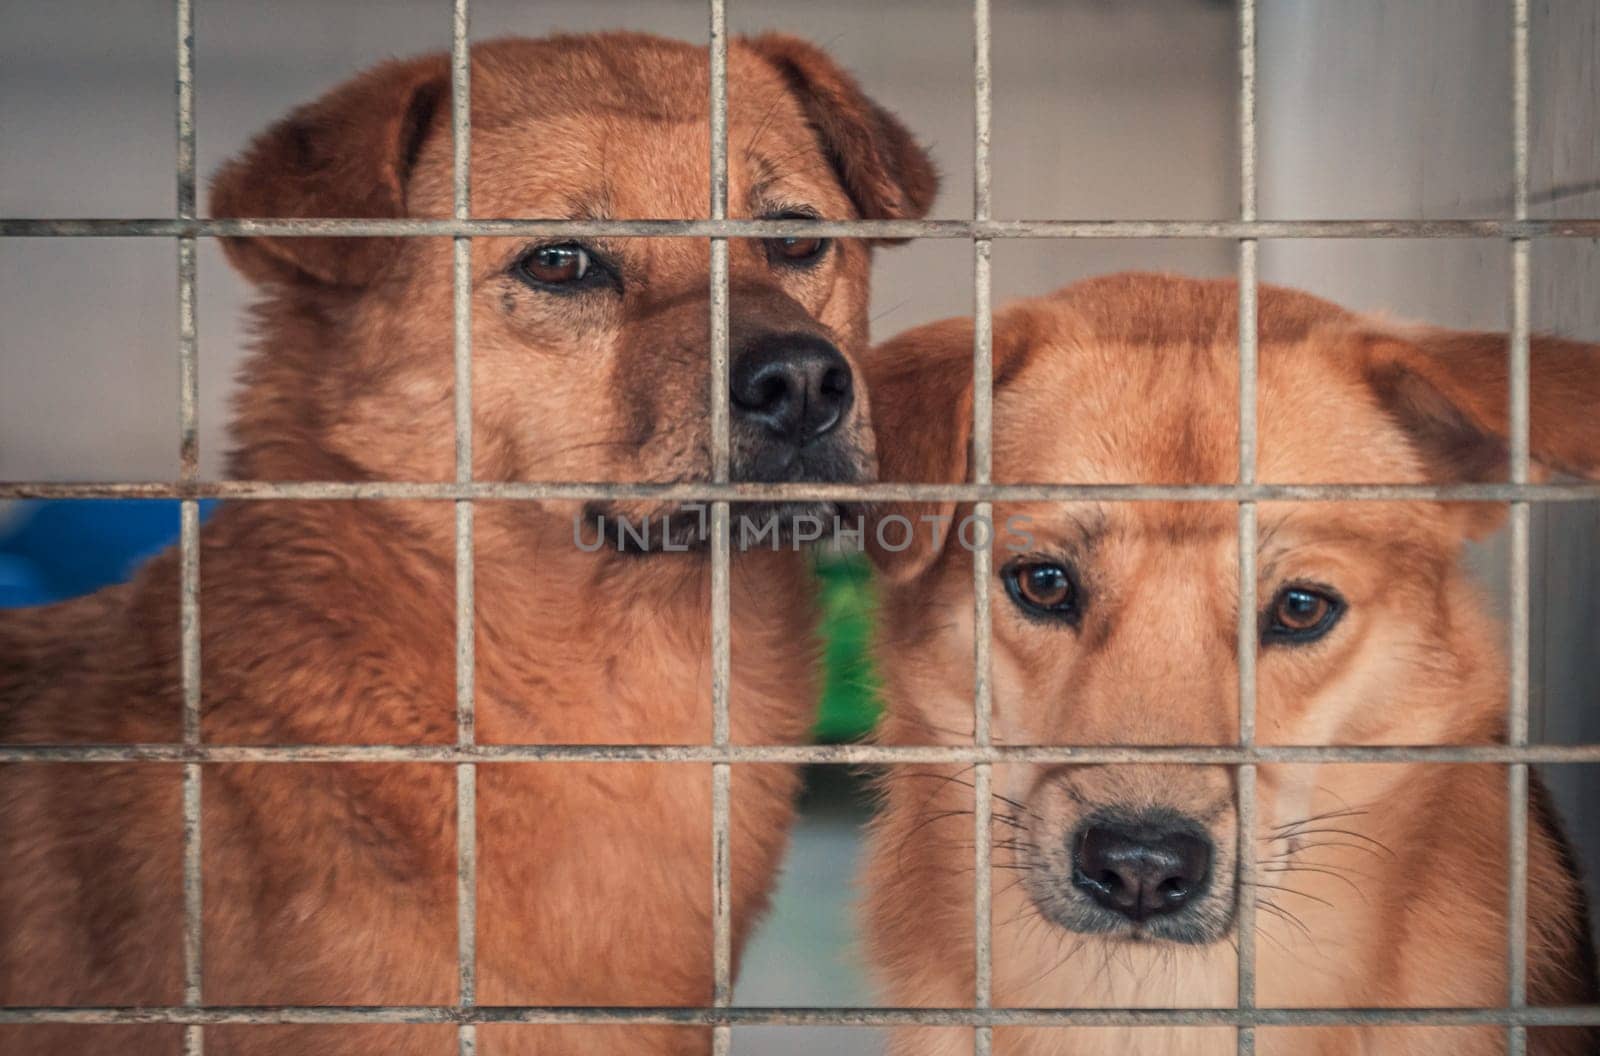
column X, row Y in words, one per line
column 1140, row 872
column 796, row 386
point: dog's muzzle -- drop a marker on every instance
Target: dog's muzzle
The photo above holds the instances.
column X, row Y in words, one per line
column 794, row 420
column 1140, row 874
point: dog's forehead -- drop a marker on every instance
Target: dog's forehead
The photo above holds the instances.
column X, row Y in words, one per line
column 618, row 127
column 1097, row 531
column 1320, row 421
column 1091, row 407
column 589, row 165
column 1093, row 410
column 1341, row 539
column 561, row 74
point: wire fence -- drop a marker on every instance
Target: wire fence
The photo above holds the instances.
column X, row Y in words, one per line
column 982, row 230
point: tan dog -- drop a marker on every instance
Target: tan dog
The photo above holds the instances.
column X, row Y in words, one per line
column 332, row 622
column 1115, row 624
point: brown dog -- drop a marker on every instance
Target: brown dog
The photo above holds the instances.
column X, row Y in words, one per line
column 332, row 622
column 1115, row 624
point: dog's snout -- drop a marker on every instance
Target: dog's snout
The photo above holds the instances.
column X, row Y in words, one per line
column 795, row 386
column 1140, row 872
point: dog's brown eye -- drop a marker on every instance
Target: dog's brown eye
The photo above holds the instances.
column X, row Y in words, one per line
column 1043, row 588
column 800, row 249
column 557, row 265
column 1302, row 614
column 1301, row 610
column 1046, row 586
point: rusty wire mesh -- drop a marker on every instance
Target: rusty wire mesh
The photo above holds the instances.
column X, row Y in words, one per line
column 1247, row 230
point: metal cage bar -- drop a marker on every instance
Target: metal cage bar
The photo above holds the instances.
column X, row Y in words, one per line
column 830, row 754
column 721, row 646
column 466, row 621
column 1245, row 926
column 1517, row 703
column 189, row 525
column 1584, row 1015
column 186, row 227
column 533, row 492
column 518, row 491
column 982, row 555
column 234, row 227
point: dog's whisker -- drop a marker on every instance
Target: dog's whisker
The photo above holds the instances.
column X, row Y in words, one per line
column 1306, row 848
column 1287, row 917
column 1296, row 858
column 1374, row 845
column 1315, row 869
column 1293, row 891
column 1340, row 812
column 956, row 780
column 1071, row 953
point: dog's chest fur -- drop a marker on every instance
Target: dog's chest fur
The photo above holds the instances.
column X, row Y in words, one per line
column 323, row 624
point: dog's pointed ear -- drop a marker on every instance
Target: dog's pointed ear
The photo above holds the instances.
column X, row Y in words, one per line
column 1450, row 391
column 920, row 385
column 886, row 173
column 349, row 155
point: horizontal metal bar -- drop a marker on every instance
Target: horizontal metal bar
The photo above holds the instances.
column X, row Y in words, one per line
column 443, row 491
column 847, row 754
column 810, row 1017
column 90, row 227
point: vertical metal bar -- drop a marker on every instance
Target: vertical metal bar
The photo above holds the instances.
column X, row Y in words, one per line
column 193, row 891
column 189, row 525
column 1246, row 649
column 983, row 109
column 721, row 778
column 1519, row 109
column 721, row 775
column 466, row 782
column 185, row 163
column 461, row 131
column 1248, row 356
column 1518, row 724
column 467, row 897
column 188, row 361
column 1518, row 395
column 982, row 554
column 1247, row 110
column 466, row 612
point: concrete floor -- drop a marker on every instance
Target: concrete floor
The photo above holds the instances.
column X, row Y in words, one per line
column 804, row 953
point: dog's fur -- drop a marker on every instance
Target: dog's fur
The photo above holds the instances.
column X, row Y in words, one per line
column 334, row 622
column 1381, row 884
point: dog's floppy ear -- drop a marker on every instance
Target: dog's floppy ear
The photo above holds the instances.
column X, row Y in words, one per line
column 880, row 165
column 349, row 155
column 1450, row 391
column 921, row 390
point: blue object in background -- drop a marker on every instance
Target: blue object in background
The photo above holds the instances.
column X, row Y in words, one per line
column 54, row 550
